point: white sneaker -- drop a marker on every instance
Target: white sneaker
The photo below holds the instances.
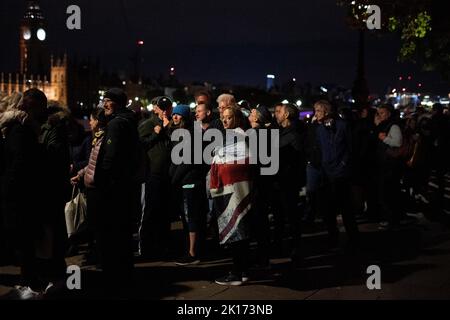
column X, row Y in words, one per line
column 55, row 287
column 26, row 293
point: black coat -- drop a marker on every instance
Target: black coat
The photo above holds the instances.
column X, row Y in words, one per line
column 312, row 147
column 157, row 146
column 292, row 158
column 20, row 189
column 80, row 156
column 363, row 150
column 55, row 155
column 118, row 158
column 188, row 173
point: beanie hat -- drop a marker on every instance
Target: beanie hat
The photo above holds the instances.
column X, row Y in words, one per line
column 183, row 110
column 118, row 96
column 164, row 103
column 264, row 114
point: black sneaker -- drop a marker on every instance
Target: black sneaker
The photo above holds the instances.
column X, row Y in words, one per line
column 187, row 260
column 230, row 280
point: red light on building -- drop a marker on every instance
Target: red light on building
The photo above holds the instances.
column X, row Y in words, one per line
column 400, row 78
column 419, row 85
column 140, row 42
column 409, row 77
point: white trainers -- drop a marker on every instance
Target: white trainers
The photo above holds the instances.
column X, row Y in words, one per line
column 26, row 293
column 55, row 287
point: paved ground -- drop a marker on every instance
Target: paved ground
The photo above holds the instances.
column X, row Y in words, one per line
column 414, row 262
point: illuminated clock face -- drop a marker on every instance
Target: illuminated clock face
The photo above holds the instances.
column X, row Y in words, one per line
column 41, row 34
column 26, row 34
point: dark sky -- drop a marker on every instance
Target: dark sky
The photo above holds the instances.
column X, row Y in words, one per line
column 237, row 41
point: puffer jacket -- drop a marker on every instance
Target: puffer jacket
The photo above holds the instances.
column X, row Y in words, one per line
column 88, row 172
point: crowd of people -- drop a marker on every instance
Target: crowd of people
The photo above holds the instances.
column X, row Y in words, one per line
column 349, row 162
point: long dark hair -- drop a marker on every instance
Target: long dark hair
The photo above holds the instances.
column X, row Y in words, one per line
column 99, row 115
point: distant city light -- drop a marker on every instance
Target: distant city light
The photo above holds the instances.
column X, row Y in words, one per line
column 419, row 85
column 427, row 103
column 130, row 101
column 400, row 78
column 140, row 42
column 174, row 104
column 150, row 107
column 404, row 89
column 293, row 79
column 393, row 90
column 308, row 116
column 323, row 89
column 192, row 105
column 81, row 103
column 409, row 77
column 101, row 97
column 285, row 101
column 353, row 2
column 299, row 103
column 124, row 82
column 136, row 99
column 270, row 76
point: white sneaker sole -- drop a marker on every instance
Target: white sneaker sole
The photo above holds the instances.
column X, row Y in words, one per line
column 231, row 283
column 187, row 263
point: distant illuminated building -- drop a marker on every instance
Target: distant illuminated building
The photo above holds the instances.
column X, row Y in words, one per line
column 37, row 68
column 270, row 82
column 34, row 58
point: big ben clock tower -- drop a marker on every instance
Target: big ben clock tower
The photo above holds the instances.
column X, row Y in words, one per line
column 34, row 59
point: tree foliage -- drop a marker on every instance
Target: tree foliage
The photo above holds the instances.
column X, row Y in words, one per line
column 422, row 25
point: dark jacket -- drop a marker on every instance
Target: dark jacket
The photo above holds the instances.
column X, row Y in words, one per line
column 363, row 149
column 335, row 148
column 312, row 146
column 157, row 146
column 55, row 155
column 80, row 156
column 440, row 135
column 292, row 157
column 216, row 123
column 20, row 189
column 118, row 158
column 188, row 173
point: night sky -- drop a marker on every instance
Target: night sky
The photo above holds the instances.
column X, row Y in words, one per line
column 236, row 41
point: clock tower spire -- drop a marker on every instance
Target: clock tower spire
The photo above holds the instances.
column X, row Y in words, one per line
column 34, row 58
